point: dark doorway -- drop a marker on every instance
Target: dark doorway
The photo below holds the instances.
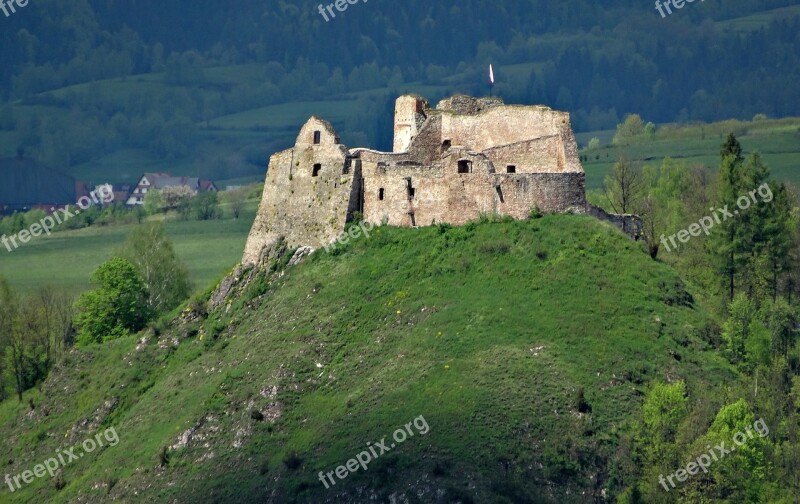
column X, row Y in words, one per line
column 412, row 191
column 317, row 168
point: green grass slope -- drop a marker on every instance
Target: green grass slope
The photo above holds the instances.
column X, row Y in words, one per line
column 486, row 331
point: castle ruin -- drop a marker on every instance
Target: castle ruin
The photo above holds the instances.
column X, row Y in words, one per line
column 449, row 164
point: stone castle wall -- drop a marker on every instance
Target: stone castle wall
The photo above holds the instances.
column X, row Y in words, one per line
column 450, row 164
column 305, row 208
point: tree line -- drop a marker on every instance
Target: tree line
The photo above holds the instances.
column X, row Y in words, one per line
column 599, row 62
column 748, row 266
column 143, row 281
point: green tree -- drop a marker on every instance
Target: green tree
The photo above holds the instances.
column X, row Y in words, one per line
column 153, row 202
column 731, row 147
column 747, row 339
column 737, row 476
column 116, row 307
column 631, row 127
column 778, row 221
column 165, row 277
column 206, row 205
column 9, row 330
column 236, row 199
column 650, row 131
column 662, row 207
column 664, row 409
column 731, row 242
column 624, row 186
column 176, row 196
column 782, row 323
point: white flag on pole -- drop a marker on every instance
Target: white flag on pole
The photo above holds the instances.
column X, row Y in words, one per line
column 491, row 75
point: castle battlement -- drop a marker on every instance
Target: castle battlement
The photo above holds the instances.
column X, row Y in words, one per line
column 449, row 164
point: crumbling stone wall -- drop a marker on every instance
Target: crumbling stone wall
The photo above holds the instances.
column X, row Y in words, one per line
column 456, row 198
column 629, row 224
column 410, row 112
column 506, row 125
column 305, row 207
column 450, row 164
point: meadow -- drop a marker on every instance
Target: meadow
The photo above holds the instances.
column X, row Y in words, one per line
column 778, row 141
column 66, row 259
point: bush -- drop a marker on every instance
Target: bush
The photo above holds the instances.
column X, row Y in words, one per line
column 581, row 405
column 206, row 206
column 494, row 248
column 292, row 461
column 163, row 457
column 116, row 307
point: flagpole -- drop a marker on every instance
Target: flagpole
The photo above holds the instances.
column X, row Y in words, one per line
column 491, row 79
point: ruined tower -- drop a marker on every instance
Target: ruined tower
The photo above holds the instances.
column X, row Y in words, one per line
column 450, row 164
column 409, row 116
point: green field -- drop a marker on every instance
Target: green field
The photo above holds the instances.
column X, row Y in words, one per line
column 778, row 141
column 67, row 259
column 758, row 21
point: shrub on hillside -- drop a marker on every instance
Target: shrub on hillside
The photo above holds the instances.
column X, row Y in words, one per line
column 116, row 307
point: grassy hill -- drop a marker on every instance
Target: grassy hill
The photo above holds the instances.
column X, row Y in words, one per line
column 486, row 332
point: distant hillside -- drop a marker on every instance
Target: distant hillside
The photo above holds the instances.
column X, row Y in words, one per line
column 108, row 90
column 486, row 331
column 25, row 182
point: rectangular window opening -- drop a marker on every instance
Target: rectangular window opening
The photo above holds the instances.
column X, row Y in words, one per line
column 412, row 191
column 317, row 168
column 511, row 169
column 464, row 166
column 380, row 194
column 317, row 137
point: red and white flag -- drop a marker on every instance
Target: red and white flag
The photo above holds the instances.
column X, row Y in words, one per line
column 491, row 75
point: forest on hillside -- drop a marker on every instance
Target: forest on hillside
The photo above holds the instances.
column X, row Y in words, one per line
column 600, row 61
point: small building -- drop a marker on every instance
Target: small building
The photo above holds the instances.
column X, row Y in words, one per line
column 152, row 181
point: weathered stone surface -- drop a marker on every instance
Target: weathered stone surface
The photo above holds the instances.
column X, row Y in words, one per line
column 450, row 164
column 629, row 224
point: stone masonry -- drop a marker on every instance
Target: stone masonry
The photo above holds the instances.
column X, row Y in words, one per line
column 449, row 164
